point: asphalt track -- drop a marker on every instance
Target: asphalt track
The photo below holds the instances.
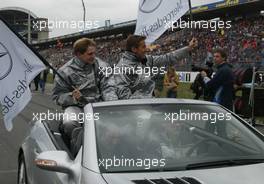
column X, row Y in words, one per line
column 10, row 141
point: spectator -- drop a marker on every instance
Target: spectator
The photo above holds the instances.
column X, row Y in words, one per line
column 171, row 82
column 221, row 85
column 43, row 79
column 36, row 82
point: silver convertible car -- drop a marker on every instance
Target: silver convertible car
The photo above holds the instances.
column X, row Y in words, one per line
column 153, row 141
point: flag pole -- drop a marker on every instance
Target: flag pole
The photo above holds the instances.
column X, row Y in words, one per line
column 45, row 62
column 191, row 16
column 191, row 19
column 84, row 15
column 190, row 10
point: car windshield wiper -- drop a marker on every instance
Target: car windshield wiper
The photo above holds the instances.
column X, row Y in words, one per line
column 135, row 171
column 231, row 162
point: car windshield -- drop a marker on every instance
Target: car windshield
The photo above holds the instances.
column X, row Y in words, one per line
column 171, row 137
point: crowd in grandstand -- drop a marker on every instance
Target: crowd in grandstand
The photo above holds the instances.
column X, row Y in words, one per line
column 244, row 42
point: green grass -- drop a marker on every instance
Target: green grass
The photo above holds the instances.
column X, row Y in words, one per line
column 184, row 91
column 50, row 78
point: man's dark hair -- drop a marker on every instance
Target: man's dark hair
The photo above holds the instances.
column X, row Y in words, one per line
column 222, row 52
column 81, row 45
column 133, row 41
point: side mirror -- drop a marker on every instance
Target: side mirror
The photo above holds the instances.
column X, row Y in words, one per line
column 58, row 161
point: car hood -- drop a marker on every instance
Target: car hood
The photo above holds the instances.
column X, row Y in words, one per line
column 247, row 174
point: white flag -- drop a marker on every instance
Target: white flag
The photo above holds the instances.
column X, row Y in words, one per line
column 156, row 16
column 18, row 67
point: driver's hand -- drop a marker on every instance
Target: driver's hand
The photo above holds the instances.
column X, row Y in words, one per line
column 193, row 43
column 76, row 94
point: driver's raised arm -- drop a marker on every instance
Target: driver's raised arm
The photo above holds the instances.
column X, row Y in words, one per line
column 172, row 57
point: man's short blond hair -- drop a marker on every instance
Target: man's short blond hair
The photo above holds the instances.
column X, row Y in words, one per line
column 81, row 45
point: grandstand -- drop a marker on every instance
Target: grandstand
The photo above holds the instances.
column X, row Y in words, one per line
column 24, row 22
column 244, row 40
